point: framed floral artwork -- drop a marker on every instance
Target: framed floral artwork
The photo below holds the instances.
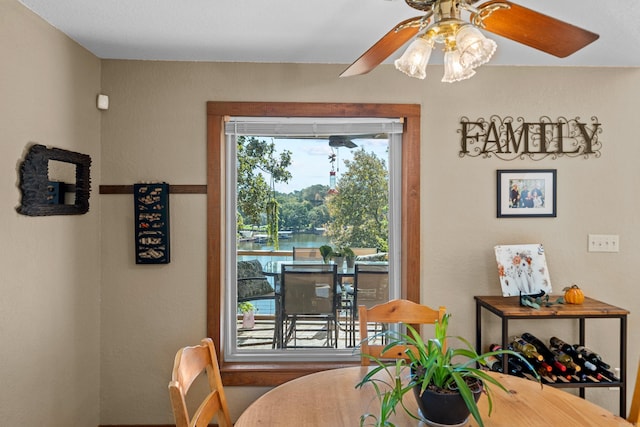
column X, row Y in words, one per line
column 526, row 193
column 522, row 269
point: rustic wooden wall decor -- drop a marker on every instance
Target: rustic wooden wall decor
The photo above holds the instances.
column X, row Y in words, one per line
column 151, row 210
column 38, row 189
column 509, row 138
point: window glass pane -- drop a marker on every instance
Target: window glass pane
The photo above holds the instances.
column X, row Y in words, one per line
column 292, row 195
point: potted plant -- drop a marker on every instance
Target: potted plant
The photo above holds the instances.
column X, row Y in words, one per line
column 248, row 311
column 350, row 256
column 338, row 256
column 326, row 251
column 390, row 392
column 437, row 372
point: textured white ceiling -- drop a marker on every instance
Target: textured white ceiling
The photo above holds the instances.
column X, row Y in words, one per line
column 297, row 31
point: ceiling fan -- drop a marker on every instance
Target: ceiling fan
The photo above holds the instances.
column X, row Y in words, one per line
column 337, row 141
column 465, row 47
column 340, row 141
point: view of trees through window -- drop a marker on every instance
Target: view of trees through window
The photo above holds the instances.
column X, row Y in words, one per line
column 304, row 193
column 348, row 206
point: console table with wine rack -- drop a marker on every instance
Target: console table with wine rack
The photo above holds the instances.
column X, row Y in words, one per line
column 509, row 308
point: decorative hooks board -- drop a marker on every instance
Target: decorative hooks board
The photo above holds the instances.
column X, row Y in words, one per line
column 151, row 203
column 42, row 194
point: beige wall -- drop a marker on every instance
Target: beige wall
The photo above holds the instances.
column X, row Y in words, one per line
column 155, row 130
column 104, row 331
column 49, row 266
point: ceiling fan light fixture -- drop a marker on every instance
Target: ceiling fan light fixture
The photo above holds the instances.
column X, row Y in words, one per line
column 503, row 18
column 475, row 49
column 414, row 60
column 454, row 71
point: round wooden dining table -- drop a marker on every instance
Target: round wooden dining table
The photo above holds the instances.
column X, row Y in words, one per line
column 329, row 398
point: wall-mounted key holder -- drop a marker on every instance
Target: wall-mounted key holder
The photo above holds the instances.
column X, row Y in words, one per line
column 151, row 203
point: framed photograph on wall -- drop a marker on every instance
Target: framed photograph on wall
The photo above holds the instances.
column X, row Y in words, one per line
column 526, row 193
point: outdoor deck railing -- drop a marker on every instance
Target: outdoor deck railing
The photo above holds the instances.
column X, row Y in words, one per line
column 264, row 256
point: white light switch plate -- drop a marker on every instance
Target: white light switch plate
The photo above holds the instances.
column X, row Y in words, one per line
column 604, row 243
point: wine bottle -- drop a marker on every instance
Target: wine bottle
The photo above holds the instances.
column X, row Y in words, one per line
column 546, row 375
column 607, row 375
column 567, row 361
column 549, row 357
column 519, row 366
column 513, row 367
column 591, row 372
column 592, row 357
column 527, row 349
column 494, row 364
column 587, row 366
column 567, row 348
column 591, row 378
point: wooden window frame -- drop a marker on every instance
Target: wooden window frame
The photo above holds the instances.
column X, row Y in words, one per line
column 275, row 373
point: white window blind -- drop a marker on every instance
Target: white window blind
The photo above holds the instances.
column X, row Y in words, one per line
column 315, row 127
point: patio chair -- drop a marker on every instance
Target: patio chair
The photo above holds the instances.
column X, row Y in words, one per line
column 369, row 286
column 308, row 298
column 364, row 251
column 189, row 363
column 394, row 311
column 307, row 254
column 360, row 255
column 634, row 412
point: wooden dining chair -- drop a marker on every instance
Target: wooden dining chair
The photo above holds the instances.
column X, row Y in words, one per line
column 189, row 363
column 394, row 311
column 634, row 412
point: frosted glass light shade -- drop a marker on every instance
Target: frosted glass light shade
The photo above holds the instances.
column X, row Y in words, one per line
column 475, row 49
column 454, row 71
column 413, row 61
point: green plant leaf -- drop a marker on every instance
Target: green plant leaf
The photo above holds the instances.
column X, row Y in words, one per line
column 434, row 362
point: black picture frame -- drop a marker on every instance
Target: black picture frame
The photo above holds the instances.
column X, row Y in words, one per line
column 526, row 193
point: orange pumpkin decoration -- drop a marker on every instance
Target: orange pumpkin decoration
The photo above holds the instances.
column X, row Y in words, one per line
column 573, row 295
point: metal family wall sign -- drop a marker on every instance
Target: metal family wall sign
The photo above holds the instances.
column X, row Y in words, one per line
column 509, row 138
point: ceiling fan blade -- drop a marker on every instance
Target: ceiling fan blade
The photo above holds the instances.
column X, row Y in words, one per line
column 536, row 30
column 338, row 141
column 384, row 47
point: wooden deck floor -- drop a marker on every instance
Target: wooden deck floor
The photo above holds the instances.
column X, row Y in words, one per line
column 309, row 333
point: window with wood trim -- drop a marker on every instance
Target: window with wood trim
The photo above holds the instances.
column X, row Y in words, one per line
column 275, row 372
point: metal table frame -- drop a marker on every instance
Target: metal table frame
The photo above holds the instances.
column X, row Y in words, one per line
column 508, row 308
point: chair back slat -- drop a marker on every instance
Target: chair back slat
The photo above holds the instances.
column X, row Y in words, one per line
column 189, row 364
column 394, row 311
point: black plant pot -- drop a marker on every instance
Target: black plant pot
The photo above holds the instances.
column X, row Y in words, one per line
column 447, row 409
